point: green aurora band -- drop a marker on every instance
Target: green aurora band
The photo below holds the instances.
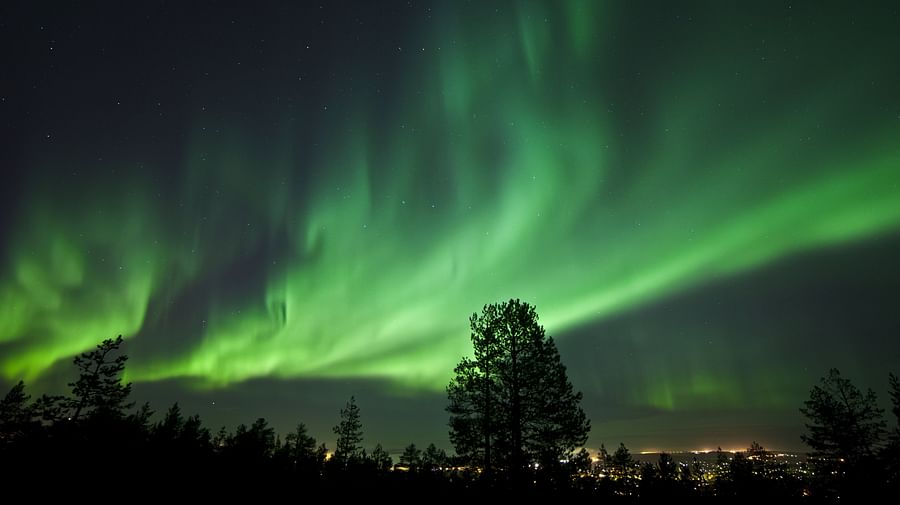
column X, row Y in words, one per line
column 516, row 156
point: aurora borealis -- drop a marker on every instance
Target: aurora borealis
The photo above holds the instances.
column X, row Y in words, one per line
column 281, row 207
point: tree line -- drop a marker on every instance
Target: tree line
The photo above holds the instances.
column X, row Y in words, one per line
column 515, row 422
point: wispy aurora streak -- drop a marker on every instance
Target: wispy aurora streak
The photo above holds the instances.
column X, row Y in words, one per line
column 531, row 155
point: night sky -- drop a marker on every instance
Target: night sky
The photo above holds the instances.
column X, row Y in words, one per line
column 282, row 205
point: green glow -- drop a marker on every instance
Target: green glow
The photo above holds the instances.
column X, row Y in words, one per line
column 69, row 282
column 518, row 171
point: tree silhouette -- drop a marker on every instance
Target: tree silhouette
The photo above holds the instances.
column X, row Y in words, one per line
column 251, row 448
column 895, row 397
column 433, row 458
column 740, row 475
column 381, row 459
column 194, row 438
column 178, row 442
column 895, row 405
column 649, row 477
column 348, row 448
column 622, row 468
column 167, row 431
column 667, row 468
column 891, row 453
column 845, row 428
column 220, row 440
column 581, row 462
column 692, row 475
column 99, row 389
column 843, row 423
column 581, row 467
column 16, row 416
column 411, row 458
column 511, row 404
column 300, row 451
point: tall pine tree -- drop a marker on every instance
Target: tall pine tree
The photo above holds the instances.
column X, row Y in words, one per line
column 348, row 448
column 512, row 405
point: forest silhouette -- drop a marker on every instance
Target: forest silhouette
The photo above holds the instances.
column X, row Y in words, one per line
column 515, row 422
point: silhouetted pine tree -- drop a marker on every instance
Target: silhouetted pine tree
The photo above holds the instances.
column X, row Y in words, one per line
column 411, row 458
column 348, row 448
column 433, row 459
column 99, row 390
column 891, row 453
column 381, row 459
column 511, row 405
column 16, row 417
column 844, row 429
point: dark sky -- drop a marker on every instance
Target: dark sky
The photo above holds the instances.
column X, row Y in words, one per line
column 285, row 205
